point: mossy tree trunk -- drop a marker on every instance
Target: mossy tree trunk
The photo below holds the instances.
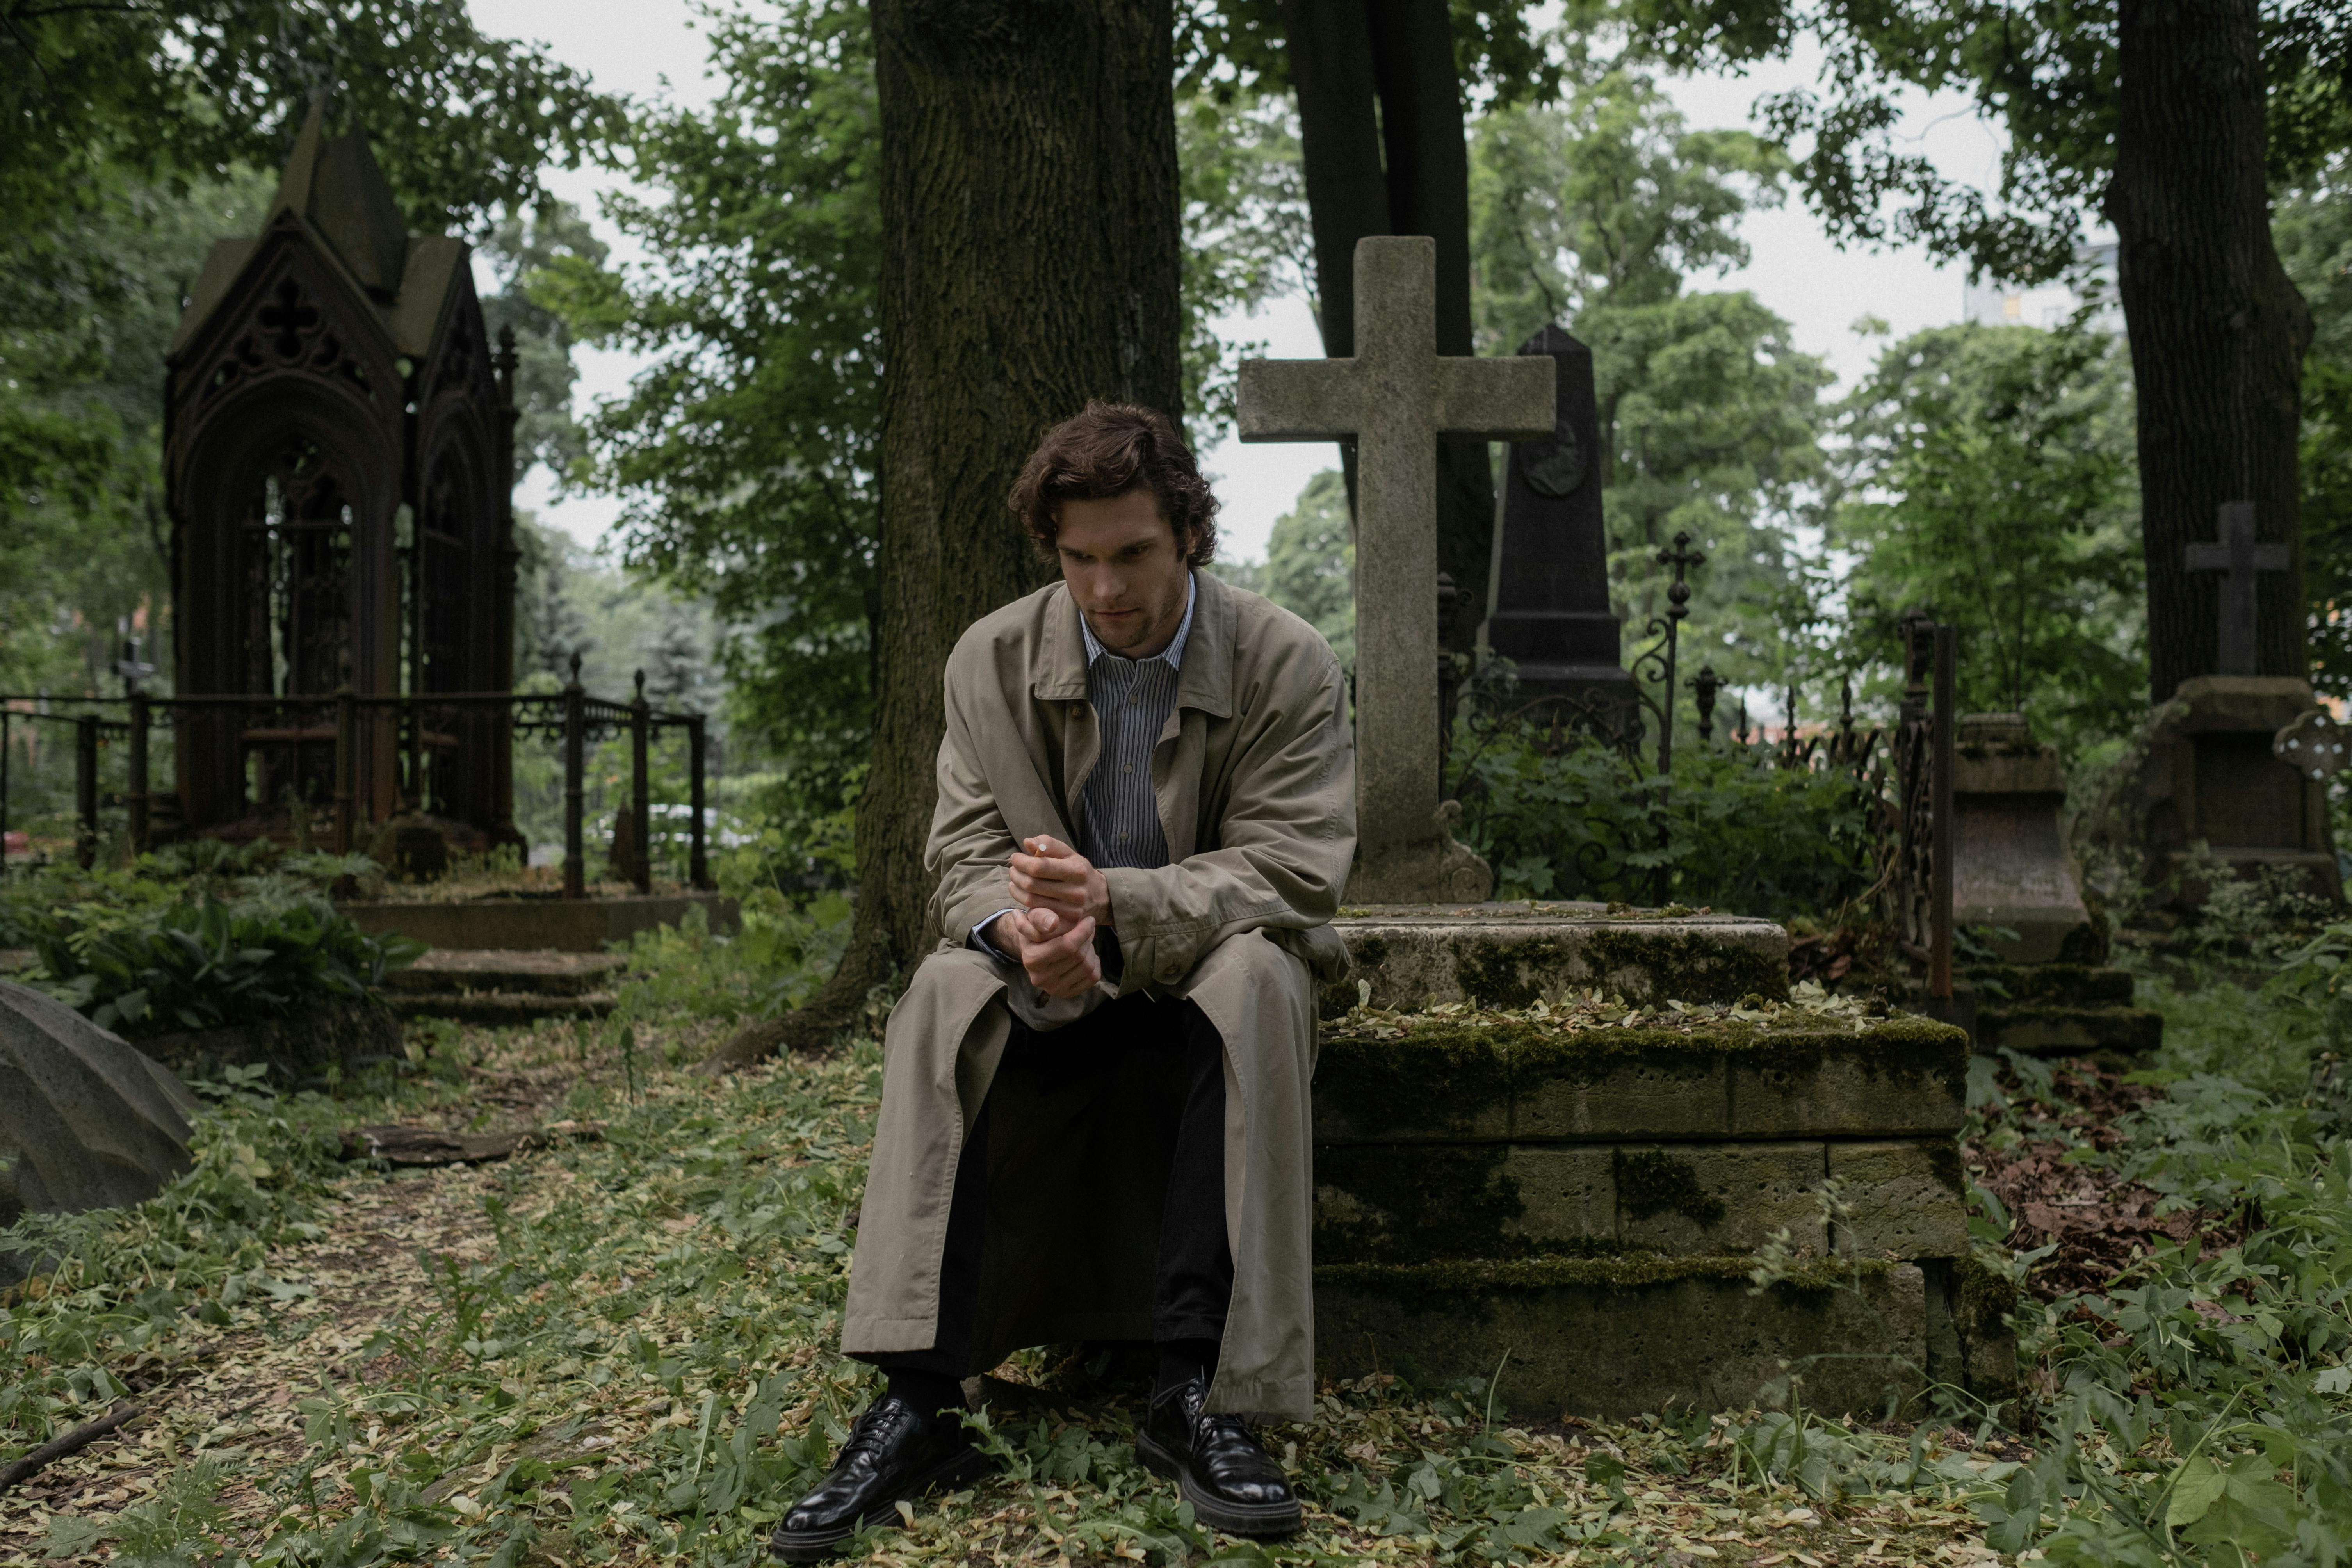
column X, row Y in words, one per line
column 1030, row 261
column 2218, row 331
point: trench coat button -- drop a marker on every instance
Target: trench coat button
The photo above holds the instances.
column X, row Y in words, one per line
column 1169, row 973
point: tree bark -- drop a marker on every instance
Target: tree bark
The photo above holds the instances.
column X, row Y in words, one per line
column 1030, row 261
column 1381, row 128
column 2217, row 329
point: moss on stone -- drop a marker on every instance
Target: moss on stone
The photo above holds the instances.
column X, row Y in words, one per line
column 1619, row 1271
column 1687, row 966
column 1449, row 1200
column 1987, row 1299
column 1506, row 972
column 1944, row 1159
column 1477, row 1059
column 1651, row 1182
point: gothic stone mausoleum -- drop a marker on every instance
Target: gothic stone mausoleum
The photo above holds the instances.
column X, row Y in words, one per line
column 339, row 459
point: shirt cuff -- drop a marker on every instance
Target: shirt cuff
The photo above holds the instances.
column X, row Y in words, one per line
column 980, row 943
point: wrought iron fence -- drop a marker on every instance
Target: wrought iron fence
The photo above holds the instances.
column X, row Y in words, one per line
column 308, row 744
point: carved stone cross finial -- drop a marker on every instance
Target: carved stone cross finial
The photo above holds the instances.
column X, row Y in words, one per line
column 2239, row 561
column 1396, row 397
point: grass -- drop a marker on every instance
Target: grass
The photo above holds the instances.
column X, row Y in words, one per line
column 621, row 1350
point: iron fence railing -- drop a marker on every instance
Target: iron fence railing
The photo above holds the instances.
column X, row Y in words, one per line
column 303, row 731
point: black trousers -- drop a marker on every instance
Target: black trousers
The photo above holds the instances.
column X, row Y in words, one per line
column 1195, row 1264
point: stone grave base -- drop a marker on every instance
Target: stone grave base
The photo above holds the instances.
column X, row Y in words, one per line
column 1568, row 1134
column 527, row 924
column 1508, row 955
column 345, row 1033
column 2060, row 1010
column 2049, row 1010
column 1609, row 1338
column 494, row 986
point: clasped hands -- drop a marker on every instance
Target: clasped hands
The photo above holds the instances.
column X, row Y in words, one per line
column 1063, row 901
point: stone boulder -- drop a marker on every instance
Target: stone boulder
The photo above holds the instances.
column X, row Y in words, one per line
column 86, row 1122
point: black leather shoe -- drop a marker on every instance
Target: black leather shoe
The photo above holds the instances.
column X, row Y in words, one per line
column 894, row 1452
column 1232, row 1482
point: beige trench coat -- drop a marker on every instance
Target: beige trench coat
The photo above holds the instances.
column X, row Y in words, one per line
column 1254, row 775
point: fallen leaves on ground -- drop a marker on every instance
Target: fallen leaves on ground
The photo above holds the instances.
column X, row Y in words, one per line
column 622, row 1350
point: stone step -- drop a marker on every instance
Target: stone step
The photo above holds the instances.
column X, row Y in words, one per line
column 499, row 1009
column 1903, row 1198
column 1613, row 1337
column 1511, row 955
column 1447, row 1079
column 549, row 973
column 2045, row 1029
column 2073, row 984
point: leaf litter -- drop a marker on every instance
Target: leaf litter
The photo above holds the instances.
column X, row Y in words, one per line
column 622, row 1350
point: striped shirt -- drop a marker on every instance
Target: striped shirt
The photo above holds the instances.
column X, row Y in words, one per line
column 1120, row 816
column 1120, row 824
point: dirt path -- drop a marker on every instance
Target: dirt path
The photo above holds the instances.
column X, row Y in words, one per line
column 236, row 1393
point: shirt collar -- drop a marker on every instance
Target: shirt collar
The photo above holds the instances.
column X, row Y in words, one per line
column 1173, row 653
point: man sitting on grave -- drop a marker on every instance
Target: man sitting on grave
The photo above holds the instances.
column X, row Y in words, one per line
column 1094, row 1118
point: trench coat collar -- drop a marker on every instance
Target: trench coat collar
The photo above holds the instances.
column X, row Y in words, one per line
column 1204, row 681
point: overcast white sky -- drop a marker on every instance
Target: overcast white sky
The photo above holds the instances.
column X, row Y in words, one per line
column 653, row 48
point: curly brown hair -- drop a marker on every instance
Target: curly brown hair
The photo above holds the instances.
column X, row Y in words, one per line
column 1106, row 451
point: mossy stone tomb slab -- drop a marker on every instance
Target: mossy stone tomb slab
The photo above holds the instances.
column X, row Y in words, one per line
column 1375, row 1204
column 1609, row 1338
column 1435, row 1077
column 1512, row 955
column 1905, row 1198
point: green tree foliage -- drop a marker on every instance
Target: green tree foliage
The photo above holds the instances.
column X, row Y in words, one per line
column 1310, row 563
column 520, row 246
column 82, row 531
column 1247, row 236
column 1988, row 475
column 1593, row 212
column 745, row 451
column 2314, row 230
column 461, row 122
column 2046, row 69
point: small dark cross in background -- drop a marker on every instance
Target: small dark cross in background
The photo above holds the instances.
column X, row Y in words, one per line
column 2239, row 561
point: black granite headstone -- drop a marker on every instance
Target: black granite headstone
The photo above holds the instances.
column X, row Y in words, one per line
column 1551, row 615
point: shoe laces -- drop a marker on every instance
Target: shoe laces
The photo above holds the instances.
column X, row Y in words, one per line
column 875, row 1426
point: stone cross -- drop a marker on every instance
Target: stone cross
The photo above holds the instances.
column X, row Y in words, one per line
column 1396, row 397
column 2238, row 559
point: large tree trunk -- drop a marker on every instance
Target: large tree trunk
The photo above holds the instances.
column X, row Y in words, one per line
column 2217, row 329
column 1030, row 261
column 1375, row 77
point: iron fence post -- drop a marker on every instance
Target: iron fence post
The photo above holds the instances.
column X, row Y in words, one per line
column 641, row 816
column 697, row 862
column 1939, row 952
column 86, row 791
column 135, row 800
column 346, row 718
column 575, row 723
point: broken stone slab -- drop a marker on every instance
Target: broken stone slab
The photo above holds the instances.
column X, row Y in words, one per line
column 1613, row 1337
column 87, row 1120
column 1408, row 956
column 1441, row 1079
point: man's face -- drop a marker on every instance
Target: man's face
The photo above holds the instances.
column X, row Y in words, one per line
column 1122, row 562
